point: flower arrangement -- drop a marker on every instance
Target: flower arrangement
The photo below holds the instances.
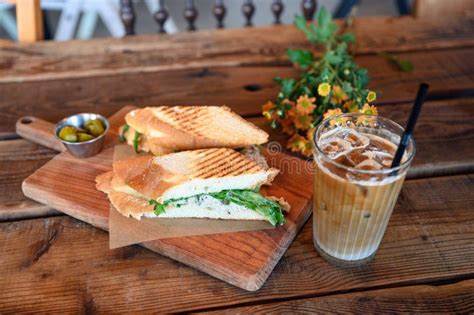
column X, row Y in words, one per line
column 328, row 86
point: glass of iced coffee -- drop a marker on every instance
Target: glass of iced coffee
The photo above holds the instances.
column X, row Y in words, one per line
column 355, row 187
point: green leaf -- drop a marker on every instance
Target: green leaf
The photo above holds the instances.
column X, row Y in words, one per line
column 332, row 58
column 158, row 208
column 303, row 58
column 287, row 87
column 363, row 77
column 124, row 131
column 341, row 49
column 252, row 200
column 323, row 17
column 136, row 140
column 347, row 38
column 347, row 87
column 300, row 23
column 405, row 65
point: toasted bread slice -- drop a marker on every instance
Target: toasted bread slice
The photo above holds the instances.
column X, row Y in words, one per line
column 189, row 173
column 145, row 143
column 175, row 128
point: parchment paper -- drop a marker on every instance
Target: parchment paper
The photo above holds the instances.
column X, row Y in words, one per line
column 125, row 231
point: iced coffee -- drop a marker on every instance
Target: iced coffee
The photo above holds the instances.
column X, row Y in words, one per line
column 355, row 188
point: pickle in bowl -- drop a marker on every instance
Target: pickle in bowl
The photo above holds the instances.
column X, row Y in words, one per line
column 82, row 134
column 92, row 128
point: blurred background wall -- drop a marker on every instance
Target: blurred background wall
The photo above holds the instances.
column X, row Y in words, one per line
column 86, row 21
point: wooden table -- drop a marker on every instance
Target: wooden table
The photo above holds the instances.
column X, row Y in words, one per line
column 52, row 262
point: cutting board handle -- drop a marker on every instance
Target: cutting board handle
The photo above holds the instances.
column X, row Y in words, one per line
column 38, row 131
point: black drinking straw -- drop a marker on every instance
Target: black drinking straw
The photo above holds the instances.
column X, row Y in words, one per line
column 415, row 112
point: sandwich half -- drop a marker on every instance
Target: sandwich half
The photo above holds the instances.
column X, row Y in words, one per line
column 208, row 183
column 166, row 129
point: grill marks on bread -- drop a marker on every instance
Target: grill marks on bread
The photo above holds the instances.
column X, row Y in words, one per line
column 170, row 128
column 224, row 162
column 154, row 176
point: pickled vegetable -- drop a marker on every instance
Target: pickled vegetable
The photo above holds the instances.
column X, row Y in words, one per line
column 81, row 137
column 94, row 127
column 68, row 133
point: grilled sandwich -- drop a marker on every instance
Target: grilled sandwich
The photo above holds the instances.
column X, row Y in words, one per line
column 217, row 183
column 166, row 129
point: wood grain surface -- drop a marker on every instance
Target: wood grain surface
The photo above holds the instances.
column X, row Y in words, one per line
column 59, row 262
column 443, row 299
column 233, row 47
column 244, row 259
column 450, row 73
column 18, row 159
column 38, row 131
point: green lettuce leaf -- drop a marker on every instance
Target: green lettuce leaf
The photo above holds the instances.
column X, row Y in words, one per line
column 249, row 199
column 124, row 131
column 136, row 140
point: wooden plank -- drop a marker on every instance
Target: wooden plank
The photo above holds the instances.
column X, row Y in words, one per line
column 245, row 89
column 62, row 264
column 453, row 298
column 18, row 159
column 433, row 9
column 444, row 136
column 29, row 20
column 231, row 47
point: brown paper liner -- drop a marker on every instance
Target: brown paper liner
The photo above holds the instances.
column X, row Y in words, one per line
column 125, row 231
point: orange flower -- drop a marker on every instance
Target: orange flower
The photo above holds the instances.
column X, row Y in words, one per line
column 310, row 134
column 351, row 106
column 308, row 149
column 287, row 126
column 369, row 110
column 305, row 105
column 324, row 89
column 268, row 110
column 300, row 144
column 338, row 95
column 332, row 112
column 302, row 122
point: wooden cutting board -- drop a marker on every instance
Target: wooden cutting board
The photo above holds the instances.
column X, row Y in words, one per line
column 243, row 259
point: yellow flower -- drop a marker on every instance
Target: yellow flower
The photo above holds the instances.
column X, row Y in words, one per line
column 366, row 121
column 305, row 105
column 324, row 89
column 302, row 122
column 269, row 110
column 338, row 95
column 371, row 96
column 300, row 144
column 332, row 112
column 351, row 106
column 369, row 110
